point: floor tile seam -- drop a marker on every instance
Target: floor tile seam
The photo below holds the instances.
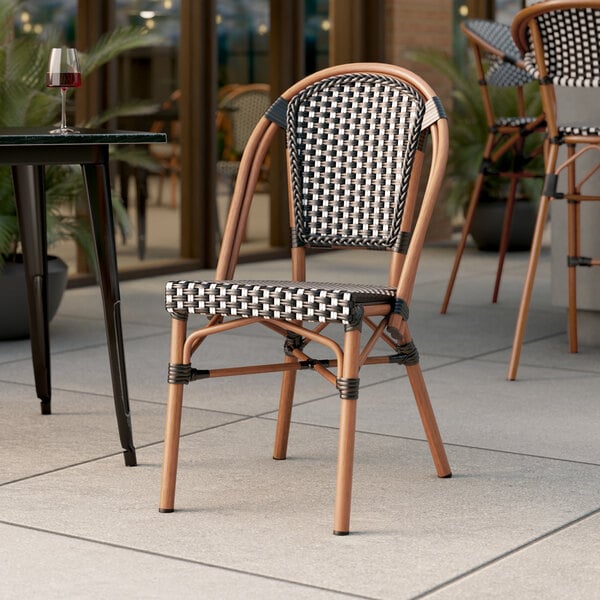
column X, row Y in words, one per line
column 507, row 554
column 182, row 559
column 120, row 452
column 366, row 432
column 89, row 346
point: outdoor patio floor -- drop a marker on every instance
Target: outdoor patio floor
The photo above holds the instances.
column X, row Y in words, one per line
column 519, row 519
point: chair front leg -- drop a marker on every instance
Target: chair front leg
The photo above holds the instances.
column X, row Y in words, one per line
column 436, row 446
column 173, row 421
column 348, row 384
column 284, row 415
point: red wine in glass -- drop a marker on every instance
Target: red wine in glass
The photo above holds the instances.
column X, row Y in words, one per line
column 63, row 72
column 63, row 80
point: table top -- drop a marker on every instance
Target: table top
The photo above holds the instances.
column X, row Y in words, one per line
column 41, row 136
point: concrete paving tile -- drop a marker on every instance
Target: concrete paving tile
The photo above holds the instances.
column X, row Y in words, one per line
column 563, row 565
column 238, row 509
column 82, row 427
column 73, row 333
column 476, row 406
column 98, row 571
column 552, row 352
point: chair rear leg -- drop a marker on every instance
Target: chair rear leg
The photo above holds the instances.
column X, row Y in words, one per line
column 173, row 422
column 536, row 245
column 463, row 239
column 284, row 416
column 574, row 250
column 505, row 236
column 436, row 446
column 348, row 385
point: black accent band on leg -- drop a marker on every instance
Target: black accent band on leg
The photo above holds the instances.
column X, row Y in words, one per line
column 579, row 261
column 550, row 184
column 180, row 373
column 348, row 387
column 293, row 341
column 407, row 354
column 400, row 308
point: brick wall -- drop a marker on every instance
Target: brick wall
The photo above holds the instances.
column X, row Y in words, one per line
column 422, row 24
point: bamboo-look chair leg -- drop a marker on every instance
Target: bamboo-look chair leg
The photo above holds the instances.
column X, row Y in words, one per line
column 463, row 239
column 347, row 434
column 505, row 236
column 173, row 422
column 284, row 416
column 432, row 432
column 574, row 249
column 536, row 245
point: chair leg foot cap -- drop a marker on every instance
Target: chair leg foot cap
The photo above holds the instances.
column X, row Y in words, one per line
column 166, row 510
column 46, row 408
column 336, row 532
column 449, row 476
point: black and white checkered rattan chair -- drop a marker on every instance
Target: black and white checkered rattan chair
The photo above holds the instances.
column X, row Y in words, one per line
column 498, row 64
column 559, row 41
column 355, row 145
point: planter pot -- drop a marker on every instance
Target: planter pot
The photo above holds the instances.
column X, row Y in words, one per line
column 486, row 229
column 14, row 319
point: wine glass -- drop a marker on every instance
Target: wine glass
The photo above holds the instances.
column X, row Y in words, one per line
column 63, row 72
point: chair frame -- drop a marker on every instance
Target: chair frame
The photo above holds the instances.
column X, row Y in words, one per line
column 529, row 39
column 505, row 134
column 347, row 359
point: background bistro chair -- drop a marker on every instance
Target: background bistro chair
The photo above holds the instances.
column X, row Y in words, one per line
column 559, row 40
column 239, row 111
column 355, row 144
column 497, row 63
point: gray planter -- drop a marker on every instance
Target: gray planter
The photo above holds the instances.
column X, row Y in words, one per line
column 486, row 229
column 14, row 320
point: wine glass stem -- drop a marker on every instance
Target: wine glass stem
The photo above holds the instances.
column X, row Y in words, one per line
column 63, row 118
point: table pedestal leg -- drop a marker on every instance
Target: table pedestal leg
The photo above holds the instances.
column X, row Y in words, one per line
column 28, row 181
column 98, row 192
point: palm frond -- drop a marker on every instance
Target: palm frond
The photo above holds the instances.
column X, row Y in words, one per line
column 114, row 43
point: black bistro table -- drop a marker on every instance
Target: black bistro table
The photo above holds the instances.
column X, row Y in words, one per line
column 27, row 151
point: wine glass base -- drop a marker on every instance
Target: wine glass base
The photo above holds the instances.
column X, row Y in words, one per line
column 64, row 131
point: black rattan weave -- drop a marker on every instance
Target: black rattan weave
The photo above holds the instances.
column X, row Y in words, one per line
column 352, row 140
column 571, row 55
column 306, row 301
column 501, row 73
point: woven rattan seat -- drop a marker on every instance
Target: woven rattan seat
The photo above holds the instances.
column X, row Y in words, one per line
column 498, row 64
column 356, row 143
column 308, row 301
column 559, row 44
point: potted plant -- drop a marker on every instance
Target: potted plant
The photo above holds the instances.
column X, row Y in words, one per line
column 25, row 101
column 468, row 134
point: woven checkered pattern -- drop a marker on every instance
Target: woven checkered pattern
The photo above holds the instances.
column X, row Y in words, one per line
column 303, row 301
column 514, row 121
column 352, row 141
column 579, row 130
column 570, row 39
column 500, row 73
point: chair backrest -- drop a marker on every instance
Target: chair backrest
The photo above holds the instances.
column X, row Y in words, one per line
column 559, row 41
column 497, row 63
column 496, row 51
column 355, row 146
column 352, row 140
column 242, row 107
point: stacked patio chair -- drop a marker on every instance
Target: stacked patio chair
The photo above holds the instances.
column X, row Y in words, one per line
column 559, row 42
column 356, row 137
column 498, row 64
